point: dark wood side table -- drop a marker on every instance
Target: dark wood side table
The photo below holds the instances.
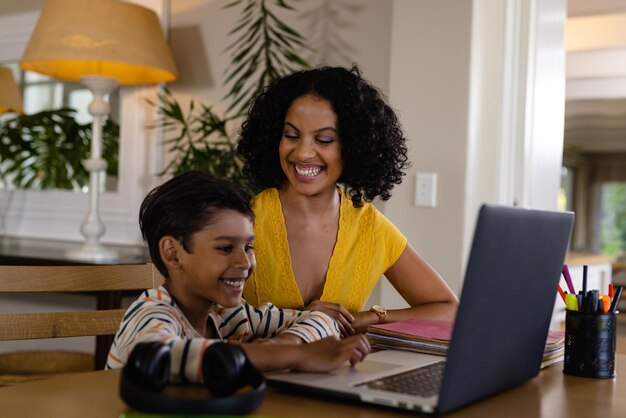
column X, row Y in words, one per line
column 36, row 252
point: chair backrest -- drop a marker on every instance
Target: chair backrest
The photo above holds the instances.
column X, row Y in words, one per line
column 60, row 279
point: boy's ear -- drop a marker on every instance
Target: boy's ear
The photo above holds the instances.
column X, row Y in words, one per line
column 168, row 250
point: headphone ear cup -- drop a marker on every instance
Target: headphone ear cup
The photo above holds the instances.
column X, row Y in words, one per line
column 149, row 365
column 225, row 369
column 222, row 368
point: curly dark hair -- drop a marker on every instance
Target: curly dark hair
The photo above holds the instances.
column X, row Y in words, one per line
column 187, row 204
column 373, row 147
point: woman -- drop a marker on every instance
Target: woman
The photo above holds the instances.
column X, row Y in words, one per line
column 323, row 144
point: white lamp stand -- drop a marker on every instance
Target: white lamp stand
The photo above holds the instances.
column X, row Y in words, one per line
column 92, row 227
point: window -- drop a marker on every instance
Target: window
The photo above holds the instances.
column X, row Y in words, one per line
column 41, row 92
column 593, row 185
column 566, row 193
column 613, row 218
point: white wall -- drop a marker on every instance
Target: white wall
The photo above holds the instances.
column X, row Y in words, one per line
column 426, row 81
column 484, row 109
column 465, row 78
column 429, row 87
column 199, row 28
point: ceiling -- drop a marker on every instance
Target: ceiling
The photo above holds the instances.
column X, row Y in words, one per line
column 598, row 125
column 595, row 7
column 595, row 126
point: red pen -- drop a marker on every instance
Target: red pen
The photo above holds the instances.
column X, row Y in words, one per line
column 611, row 290
column 561, row 292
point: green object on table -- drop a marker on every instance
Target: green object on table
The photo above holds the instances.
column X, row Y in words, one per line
column 145, row 415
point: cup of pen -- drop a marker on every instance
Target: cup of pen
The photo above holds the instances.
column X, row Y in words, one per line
column 590, row 344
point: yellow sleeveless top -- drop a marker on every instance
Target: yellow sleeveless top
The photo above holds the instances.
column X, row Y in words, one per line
column 367, row 245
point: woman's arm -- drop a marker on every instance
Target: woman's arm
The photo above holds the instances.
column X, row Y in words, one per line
column 422, row 288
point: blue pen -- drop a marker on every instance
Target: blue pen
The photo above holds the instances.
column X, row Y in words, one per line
column 592, row 302
column 585, row 285
column 618, row 295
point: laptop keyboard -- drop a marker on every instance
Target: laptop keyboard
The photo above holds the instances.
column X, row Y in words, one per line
column 424, row 381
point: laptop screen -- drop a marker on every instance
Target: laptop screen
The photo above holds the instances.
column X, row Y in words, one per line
column 506, row 304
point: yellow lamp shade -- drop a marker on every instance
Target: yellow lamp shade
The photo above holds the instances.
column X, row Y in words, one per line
column 10, row 98
column 75, row 38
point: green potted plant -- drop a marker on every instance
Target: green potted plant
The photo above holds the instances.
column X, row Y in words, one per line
column 46, row 150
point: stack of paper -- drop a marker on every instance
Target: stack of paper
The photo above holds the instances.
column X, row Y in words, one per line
column 555, row 348
column 433, row 337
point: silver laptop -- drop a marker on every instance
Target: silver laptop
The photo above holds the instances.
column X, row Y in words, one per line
column 499, row 333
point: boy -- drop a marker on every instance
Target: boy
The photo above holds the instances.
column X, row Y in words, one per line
column 199, row 231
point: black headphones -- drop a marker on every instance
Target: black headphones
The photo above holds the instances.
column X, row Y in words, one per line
column 225, row 369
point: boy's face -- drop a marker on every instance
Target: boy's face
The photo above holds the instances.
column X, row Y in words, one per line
column 220, row 261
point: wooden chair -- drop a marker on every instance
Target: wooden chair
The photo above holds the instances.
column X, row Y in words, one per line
column 16, row 367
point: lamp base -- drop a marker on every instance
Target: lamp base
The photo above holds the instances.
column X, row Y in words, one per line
column 96, row 252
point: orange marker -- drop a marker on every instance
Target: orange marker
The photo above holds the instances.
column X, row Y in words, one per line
column 606, row 303
column 561, row 292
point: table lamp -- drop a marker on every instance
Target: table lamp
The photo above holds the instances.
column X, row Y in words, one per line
column 10, row 97
column 102, row 44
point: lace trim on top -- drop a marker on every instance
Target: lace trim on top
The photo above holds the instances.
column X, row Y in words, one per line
column 347, row 287
column 363, row 262
column 279, row 240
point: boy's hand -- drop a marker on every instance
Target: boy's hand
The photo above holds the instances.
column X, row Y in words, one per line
column 284, row 338
column 330, row 354
column 340, row 314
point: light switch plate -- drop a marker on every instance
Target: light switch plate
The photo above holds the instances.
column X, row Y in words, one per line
column 426, row 190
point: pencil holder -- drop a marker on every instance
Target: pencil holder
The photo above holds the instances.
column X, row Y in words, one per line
column 590, row 344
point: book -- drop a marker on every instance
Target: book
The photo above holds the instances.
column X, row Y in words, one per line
column 433, row 337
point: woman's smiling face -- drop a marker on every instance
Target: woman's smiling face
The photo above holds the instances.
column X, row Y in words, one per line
column 310, row 148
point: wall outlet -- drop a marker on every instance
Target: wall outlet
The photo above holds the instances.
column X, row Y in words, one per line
column 426, row 190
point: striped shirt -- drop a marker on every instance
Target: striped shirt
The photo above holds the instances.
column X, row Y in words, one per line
column 154, row 316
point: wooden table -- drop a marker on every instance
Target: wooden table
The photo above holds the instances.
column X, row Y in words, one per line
column 552, row 394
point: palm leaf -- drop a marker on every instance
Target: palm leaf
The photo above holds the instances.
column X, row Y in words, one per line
column 263, row 49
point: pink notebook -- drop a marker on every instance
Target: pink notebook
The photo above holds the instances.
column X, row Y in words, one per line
column 433, row 330
column 416, row 328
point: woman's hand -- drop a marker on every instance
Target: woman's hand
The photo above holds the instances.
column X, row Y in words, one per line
column 340, row 314
column 364, row 319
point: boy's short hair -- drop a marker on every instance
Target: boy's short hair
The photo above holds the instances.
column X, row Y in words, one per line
column 187, row 204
